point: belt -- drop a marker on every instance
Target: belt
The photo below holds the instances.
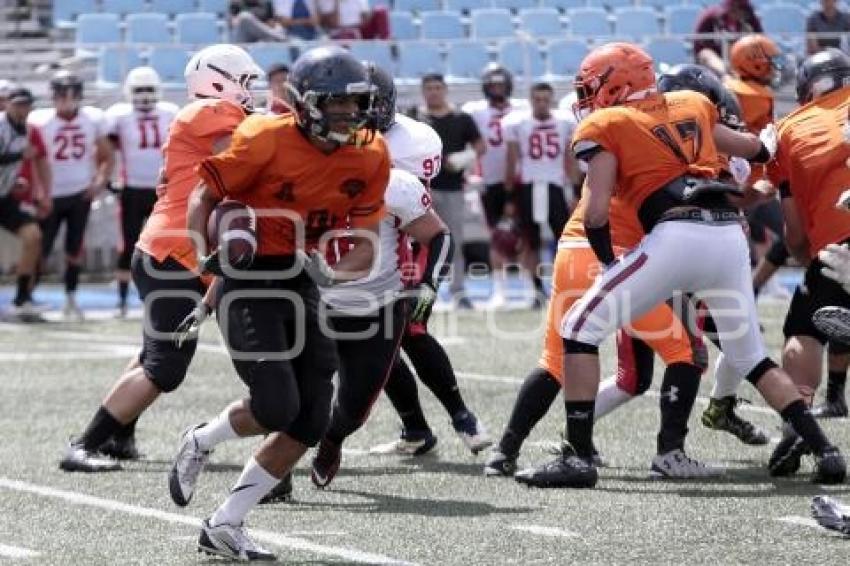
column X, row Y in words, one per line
column 701, row 215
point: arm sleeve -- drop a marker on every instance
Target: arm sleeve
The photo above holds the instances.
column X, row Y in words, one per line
column 369, row 207
column 237, row 169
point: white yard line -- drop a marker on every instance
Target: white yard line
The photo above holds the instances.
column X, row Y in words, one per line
column 802, row 521
column 545, row 531
column 269, row 537
column 16, row 552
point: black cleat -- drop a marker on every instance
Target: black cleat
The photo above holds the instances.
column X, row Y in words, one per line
column 325, row 463
column 500, row 464
column 831, row 409
column 830, row 467
column 786, row 457
column 78, row 459
column 567, row 470
column 281, row 493
column 720, row 415
column 120, row 448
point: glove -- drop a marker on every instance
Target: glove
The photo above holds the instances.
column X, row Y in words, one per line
column 425, row 296
column 317, row 268
column 210, row 264
column 844, row 201
column 740, row 169
column 190, row 326
column 830, row 514
column 768, row 138
column 836, row 258
column 461, row 160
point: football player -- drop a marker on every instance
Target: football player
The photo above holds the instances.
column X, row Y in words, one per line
column 81, row 164
column 810, row 170
column 661, row 152
column 164, row 267
column 137, row 129
column 497, row 86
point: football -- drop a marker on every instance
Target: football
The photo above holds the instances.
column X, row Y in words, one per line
column 232, row 229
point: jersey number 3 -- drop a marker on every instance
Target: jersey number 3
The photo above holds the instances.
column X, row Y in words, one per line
column 688, row 131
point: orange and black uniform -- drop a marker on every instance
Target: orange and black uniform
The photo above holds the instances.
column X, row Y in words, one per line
column 270, row 316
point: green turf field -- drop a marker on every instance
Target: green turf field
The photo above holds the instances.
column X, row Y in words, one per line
column 433, row 510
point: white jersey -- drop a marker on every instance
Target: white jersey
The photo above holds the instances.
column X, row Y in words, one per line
column 489, row 122
column 140, row 137
column 71, row 146
column 414, row 147
column 542, row 145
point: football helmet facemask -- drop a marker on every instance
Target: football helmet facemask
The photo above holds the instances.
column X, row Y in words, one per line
column 143, row 88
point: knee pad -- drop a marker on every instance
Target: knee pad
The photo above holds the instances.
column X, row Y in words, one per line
column 576, row 347
column 764, row 366
column 274, row 396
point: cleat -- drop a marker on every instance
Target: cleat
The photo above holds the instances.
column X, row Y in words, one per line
column 325, row 463
column 567, row 470
column 497, row 302
column 411, row 443
column 463, row 303
column 596, row 458
column 186, row 468
column 831, row 409
column 72, row 312
column 678, row 465
column 231, row 542
column 834, row 322
column 830, row 467
column 786, row 457
column 121, row 311
column 27, row 312
column 472, row 432
column 720, row 415
column 830, row 514
column 500, row 464
column 281, row 493
column 120, row 448
column 78, row 459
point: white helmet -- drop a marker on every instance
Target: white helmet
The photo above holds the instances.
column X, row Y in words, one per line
column 143, row 88
column 222, row 71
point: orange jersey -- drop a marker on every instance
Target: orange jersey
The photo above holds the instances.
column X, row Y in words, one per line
column 272, row 167
column 191, row 138
column 756, row 101
column 655, row 140
column 626, row 231
column 812, row 158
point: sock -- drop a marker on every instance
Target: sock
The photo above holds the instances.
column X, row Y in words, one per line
column 22, row 294
column 610, row 397
column 123, row 290
column 580, row 427
column 404, row 396
column 216, row 431
column 536, row 395
column 127, row 431
column 804, row 424
column 435, row 370
column 835, row 385
column 72, row 278
column 538, row 283
column 101, row 427
column 251, row 486
column 678, row 393
column 726, row 379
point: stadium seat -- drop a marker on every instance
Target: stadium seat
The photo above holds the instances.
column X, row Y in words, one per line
column 123, row 7
column 491, row 23
column 589, row 22
column 113, row 64
column 515, row 5
column 65, row 13
column 541, row 22
column 169, row 62
column 442, row 25
column 657, row 4
column 466, row 59
column 376, row 51
column 636, row 22
column 173, row 7
column 197, row 29
column 416, row 58
column 513, row 55
column 669, row 51
column 149, row 28
column 218, row 7
column 467, row 5
column 268, row 54
column 402, row 26
column 783, row 18
column 683, row 18
column 564, row 5
column 416, row 5
column 94, row 29
column 565, row 56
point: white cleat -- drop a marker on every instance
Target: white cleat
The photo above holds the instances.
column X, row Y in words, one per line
column 71, row 311
column 232, row 542
column 678, row 465
column 497, row 302
column 187, row 466
column 409, row 444
column 28, row 312
column 472, row 432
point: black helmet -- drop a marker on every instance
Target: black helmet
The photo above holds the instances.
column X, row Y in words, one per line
column 323, row 74
column 64, row 82
column 821, row 73
column 384, row 103
column 702, row 80
column 492, row 74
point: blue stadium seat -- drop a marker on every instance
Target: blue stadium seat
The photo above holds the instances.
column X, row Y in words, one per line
column 123, row 7
column 197, row 29
column 148, row 27
column 66, row 12
column 636, row 22
column 514, row 53
column 402, row 26
column 172, row 7
column 93, row 29
column 376, row 51
column 612, row 4
column 113, row 64
column 416, row 5
column 783, row 18
column 565, row 5
column 466, row 59
column 565, row 56
column 683, row 18
column 669, row 51
column 515, row 5
column 218, row 7
column 169, row 62
column 268, row 54
column 467, row 5
column 491, row 23
column 657, row 4
column 442, row 25
column 541, row 22
column 589, row 22
column 416, row 58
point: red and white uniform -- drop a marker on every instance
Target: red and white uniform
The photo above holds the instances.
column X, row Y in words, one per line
column 414, row 147
column 542, row 145
column 71, row 146
column 489, row 122
column 140, row 137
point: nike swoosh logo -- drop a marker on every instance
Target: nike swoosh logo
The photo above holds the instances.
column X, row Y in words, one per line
column 241, row 487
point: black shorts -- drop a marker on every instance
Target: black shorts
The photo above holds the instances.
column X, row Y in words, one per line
column 559, row 213
column 12, row 217
column 169, row 293
column 817, row 291
column 763, row 218
column 493, row 200
column 73, row 210
column 136, row 206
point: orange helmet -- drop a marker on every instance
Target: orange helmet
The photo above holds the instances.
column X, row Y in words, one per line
column 756, row 57
column 610, row 74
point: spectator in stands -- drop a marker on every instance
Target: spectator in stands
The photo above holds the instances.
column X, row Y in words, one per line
column 462, row 143
column 253, row 20
column 300, row 18
column 730, row 16
column 829, row 19
column 353, row 19
column 276, row 76
column 5, row 86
